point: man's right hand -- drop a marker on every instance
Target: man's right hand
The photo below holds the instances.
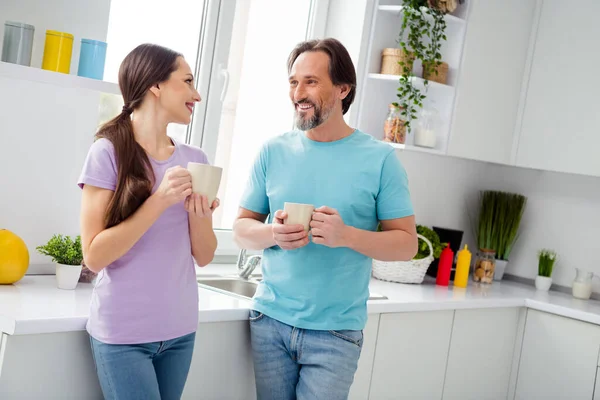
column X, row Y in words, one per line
column 288, row 237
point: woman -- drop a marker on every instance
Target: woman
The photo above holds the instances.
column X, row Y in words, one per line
column 141, row 229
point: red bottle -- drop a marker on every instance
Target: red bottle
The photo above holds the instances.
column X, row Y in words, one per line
column 445, row 266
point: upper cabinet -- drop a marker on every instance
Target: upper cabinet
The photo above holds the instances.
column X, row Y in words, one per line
column 491, row 78
column 560, row 124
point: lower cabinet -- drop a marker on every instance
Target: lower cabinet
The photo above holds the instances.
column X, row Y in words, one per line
column 410, row 356
column 481, row 354
column 559, row 359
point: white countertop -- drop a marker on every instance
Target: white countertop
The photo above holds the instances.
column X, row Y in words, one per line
column 36, row 305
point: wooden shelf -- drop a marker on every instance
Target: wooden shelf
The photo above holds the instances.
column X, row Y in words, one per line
column 415, row 79
column 14, row 71
column 398, row 9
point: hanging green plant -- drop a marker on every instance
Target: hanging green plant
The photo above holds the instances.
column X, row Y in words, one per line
column 422, row 32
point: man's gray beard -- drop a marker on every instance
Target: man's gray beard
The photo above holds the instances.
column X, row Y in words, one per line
column 311, row 123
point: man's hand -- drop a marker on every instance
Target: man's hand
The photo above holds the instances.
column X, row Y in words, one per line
column 288, row 237
column 328, row 228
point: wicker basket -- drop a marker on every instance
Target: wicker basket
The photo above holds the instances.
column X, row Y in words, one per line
column 412, row 271
column 440, row 77
column 390, row 58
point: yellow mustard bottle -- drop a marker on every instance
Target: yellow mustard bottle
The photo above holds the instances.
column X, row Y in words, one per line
column 463, row 264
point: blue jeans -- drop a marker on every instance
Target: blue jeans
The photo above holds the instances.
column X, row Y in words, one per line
column 146, row 371
column 292, row 363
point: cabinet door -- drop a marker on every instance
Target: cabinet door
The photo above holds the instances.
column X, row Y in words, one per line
column 222, row 365
column 481, row 354
column 362, row 378
column 411, row 355
column 491, row 76
column 48, row 366
column 559, row 358
column 561, row 119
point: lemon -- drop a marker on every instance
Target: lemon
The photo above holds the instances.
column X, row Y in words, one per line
column 14, row 257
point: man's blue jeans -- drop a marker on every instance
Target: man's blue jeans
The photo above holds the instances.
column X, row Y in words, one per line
column 292, row 363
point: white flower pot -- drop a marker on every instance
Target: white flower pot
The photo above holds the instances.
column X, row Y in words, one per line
column 499, row 269
column 67, row 276
column 543, row 283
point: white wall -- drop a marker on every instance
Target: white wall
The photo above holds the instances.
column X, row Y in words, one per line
column 43, row 144
column 563, row 210
column 72, row 16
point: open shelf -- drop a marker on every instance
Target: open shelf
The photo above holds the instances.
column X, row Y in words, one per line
column 15, row 71
column 410, row 147
column 414, row 79
column 450, row 19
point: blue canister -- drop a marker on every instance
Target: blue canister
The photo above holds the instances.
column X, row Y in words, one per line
column 91, row 59
column 18, row 43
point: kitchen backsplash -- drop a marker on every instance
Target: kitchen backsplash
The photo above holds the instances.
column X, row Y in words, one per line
column 563, row 210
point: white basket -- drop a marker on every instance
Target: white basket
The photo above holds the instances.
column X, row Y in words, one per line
column 412, row 271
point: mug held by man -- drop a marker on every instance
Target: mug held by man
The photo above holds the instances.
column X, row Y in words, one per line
column 206, row 179
column 298, row 213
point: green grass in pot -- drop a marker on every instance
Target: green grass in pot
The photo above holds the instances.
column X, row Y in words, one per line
column 500, row 216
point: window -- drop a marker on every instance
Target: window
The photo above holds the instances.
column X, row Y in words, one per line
column 251, row 83
column 176, row 24
column 239, row 49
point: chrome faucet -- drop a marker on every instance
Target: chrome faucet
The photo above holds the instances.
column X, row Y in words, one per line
column 246, row 265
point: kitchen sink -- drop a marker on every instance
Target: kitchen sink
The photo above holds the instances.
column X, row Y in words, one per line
column 246, row 288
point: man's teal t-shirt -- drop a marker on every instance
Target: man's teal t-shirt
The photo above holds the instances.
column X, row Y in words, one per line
column 317, row 287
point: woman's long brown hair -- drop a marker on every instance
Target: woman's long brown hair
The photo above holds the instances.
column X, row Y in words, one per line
column 146, row 66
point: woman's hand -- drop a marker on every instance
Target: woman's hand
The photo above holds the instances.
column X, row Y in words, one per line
column 175, row 187
column 197, row 205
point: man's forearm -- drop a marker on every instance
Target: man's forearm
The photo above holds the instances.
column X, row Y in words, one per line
column 393, row 245
column 251, row 234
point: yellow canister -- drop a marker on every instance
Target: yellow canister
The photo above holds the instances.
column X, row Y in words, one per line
column 57, row 51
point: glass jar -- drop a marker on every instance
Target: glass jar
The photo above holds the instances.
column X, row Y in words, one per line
column 582, row 284
column 484, row 266
column 394, row 127
column 427, row 126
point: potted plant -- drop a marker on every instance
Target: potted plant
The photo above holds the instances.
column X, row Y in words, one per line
column 500, row 215
column 546, row 260
column 68, row 256
column 421, row 34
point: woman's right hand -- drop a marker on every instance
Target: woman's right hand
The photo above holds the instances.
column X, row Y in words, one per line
column 175, row 186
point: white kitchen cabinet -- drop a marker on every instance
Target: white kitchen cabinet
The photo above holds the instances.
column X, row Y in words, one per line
column 560, row 120
column 222, row 363
column 48, row 366
column 362, row 378
column 491, row 76
column 597, row 388
column 411, row 354
column 481, row 354
column 559, row 358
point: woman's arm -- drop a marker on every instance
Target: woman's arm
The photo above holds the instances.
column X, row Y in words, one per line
column 101, row 246
column 202, row 235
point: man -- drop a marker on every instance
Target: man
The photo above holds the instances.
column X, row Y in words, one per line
column 310, row 309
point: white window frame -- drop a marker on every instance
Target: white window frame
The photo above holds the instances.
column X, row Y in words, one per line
column 207, row 139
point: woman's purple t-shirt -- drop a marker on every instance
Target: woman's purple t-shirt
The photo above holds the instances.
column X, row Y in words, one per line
column 150, row 294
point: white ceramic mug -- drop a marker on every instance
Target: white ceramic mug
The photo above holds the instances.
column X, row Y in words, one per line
column 205, row 180
column 298, row 213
